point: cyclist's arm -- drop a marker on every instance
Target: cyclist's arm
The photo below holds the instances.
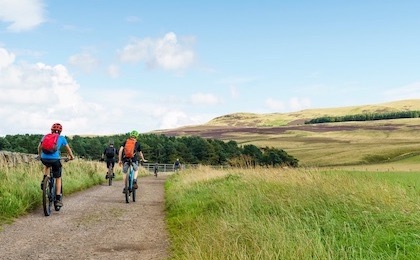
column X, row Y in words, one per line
column 142, row 156
column 69, row 152
column 39, row 150
column 120, row 155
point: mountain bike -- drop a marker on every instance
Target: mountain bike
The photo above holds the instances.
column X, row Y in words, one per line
column 129, row 183
column 110, row 174
column 49, row 192
column 156, row 169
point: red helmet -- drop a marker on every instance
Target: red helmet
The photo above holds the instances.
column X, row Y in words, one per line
column 57, row 127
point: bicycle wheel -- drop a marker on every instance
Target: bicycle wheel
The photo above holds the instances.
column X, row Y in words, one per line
column 47, row 197
column 127, row 189
column 134, row 194
column 110, row 175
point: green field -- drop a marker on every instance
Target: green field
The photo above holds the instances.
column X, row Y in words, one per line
column 294, row 214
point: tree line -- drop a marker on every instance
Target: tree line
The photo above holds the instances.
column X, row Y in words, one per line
column 365, row 117
column 164, row 149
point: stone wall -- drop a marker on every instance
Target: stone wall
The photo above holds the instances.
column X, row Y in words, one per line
column 13, row 159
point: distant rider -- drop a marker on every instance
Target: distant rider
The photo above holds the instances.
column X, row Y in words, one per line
column 156, row 169
column 177, row 165
column 109, row 156
column 124, row 161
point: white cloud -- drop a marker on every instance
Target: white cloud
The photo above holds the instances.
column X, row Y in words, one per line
column 293, row 104
column 36, row 95
column 113, row 71
column 204, row 99
column 132, row 19
column 411, row 91
column 165, row 53
column 234, row 91
column 6, row 58
column 22, row 15
column 275, row 104
column 296, row 104
column 172, row 118
column 85, row 61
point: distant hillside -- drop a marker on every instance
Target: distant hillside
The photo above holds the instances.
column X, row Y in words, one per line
column 339, row 143
column 297, row 118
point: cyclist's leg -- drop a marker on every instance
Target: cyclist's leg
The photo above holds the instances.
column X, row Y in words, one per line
column 136, row 173
column 112, row 167
column 125, row 170
column 136, row 169
column 56, row 170
column 47, row 166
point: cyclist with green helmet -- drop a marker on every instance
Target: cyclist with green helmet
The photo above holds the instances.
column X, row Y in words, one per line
column 130, row 150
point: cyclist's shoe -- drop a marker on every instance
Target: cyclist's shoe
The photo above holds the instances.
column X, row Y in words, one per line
column 113, row 175
column 124, row 191
column 58, row 203
column 135, row 186
column 42, row 182
column 106, row 176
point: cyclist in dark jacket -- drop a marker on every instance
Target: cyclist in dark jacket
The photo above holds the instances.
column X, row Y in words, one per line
column 109, row 156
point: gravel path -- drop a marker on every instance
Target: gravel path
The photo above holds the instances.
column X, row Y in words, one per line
column 94, row 224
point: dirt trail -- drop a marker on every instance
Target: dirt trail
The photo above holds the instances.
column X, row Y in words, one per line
column 94, row 224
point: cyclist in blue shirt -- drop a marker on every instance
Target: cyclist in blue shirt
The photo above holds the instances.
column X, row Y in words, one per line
column 53, row 160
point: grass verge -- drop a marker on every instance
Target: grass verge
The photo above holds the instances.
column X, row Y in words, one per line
column 20, row 185
column 293, row 214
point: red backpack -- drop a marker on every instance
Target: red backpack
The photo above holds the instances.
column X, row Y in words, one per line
column 130, row 144
column 49, row 143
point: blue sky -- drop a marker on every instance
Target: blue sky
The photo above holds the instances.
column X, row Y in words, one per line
column 107, row 67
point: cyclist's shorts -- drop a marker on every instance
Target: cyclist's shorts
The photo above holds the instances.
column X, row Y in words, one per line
column 110, row 162
column 55, row 165
column 135, row 166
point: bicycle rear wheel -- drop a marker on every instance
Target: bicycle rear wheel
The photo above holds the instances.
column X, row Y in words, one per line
column 47, row 196
column 110, row 175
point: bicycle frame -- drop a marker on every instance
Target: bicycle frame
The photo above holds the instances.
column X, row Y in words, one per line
column 49, row 191
column 129, row 183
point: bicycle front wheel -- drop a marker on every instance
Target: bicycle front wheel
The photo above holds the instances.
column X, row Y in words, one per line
column 127, row 190
column 47, row 199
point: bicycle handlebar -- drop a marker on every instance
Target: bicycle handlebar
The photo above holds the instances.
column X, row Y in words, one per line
column 66, row 159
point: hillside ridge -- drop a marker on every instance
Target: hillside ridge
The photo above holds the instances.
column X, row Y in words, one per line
column 299, row 117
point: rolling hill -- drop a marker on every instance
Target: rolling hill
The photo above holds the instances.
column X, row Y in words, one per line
column 345, row 143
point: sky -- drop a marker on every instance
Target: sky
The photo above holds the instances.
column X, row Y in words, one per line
column 108, row 67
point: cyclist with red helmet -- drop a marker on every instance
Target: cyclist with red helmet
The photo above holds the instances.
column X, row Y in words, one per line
column 52, row 159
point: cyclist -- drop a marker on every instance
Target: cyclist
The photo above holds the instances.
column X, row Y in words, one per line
column 123, row 159
column 177, row 165
column 156, row 169
column 109, row 156
column 53, row 160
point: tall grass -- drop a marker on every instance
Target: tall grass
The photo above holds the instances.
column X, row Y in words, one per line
column 291, row 214
column 20, row 185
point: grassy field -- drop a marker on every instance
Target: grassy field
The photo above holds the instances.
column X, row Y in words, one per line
column 294, row 214
column 20, row 185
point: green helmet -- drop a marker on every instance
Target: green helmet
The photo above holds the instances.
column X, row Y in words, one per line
column 134, row 133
